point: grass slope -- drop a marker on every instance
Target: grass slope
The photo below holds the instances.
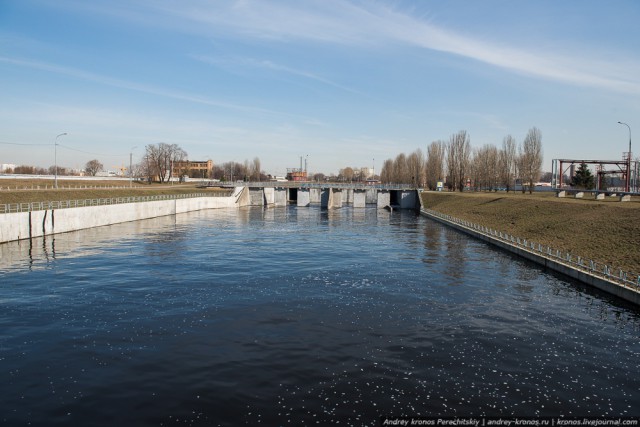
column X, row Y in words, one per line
column 606, row 231
column 24, row 191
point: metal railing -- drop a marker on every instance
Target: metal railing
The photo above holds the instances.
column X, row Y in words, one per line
column 66, row 204
column 34, row 187
column 302, row 184
column 620, row 277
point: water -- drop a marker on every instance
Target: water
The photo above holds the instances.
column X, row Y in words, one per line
column 303, row 316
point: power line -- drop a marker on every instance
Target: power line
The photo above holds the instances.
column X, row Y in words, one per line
column 23, row 144
column 89, row 152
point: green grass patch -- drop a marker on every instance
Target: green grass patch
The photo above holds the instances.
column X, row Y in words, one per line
column 607, row 231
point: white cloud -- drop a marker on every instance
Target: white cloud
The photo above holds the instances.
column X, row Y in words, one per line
column 374, row 24
column 370, row 24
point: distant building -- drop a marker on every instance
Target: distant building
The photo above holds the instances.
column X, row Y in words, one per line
column 367, row 172
column 296, row 175
column 192, row 169
column 6, row 167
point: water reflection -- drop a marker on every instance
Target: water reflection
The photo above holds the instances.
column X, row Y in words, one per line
column 300, row 316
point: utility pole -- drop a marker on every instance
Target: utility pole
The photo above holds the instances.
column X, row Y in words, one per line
column 131, row 170
column 55, row 158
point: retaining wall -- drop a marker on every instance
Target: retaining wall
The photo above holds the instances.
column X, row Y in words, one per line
column 25, row 225
column 625, row 292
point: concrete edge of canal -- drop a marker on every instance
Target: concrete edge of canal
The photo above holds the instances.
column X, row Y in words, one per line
column 601, row 283
column 26, row 225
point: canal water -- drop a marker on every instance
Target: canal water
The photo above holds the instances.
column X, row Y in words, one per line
column 300, row 316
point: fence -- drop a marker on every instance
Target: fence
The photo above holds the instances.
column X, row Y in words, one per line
column 66, row 187
column 589, row 266
column 65, row 204
column 307, row 184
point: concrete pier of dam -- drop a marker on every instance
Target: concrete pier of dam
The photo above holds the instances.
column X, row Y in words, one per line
column 333, row 198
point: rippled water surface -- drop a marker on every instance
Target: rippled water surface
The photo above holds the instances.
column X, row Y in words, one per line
column 298, row 316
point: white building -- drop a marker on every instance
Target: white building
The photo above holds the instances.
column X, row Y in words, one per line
column 367, row 172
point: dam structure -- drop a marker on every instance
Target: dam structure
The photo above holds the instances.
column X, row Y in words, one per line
column 327, row 195
column 29, row 220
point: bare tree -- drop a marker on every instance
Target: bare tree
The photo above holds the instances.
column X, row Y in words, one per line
column 507, row 161
column 435, row 164
column 25, row 170
column 415, row 168
column 319, row 177
column 139, row 170
column 386, row 173
column 160, row 159
column 217, row 172
column 176, row 155
column 256, row 172
column 347, row 174
column 231, row 171
column 93, row 167
column 493, row 167
column 531, row 161
column 51, row 171
column 484, row 167
column 247, row 171
column 401, row 169
column 458, row 154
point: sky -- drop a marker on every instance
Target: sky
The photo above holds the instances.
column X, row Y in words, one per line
column 340, row 83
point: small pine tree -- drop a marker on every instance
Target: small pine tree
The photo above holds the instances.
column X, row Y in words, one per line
column 583, row 178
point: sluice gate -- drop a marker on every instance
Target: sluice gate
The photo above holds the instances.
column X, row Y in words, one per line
column 331, row 197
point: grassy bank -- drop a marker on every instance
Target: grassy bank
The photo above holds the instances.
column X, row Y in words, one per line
column 606, row 231
column 27, row 191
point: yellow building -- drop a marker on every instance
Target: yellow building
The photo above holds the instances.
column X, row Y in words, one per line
column 193, row 169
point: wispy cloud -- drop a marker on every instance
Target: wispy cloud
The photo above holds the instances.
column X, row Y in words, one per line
column 371, row 24
column 374, row 24
column 273, row 66
column 123, row 84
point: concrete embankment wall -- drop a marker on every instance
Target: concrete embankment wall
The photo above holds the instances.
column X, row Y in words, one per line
column 600, row 283
column 25, row 225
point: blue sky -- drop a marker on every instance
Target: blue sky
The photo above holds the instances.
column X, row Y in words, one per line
column 342, row 82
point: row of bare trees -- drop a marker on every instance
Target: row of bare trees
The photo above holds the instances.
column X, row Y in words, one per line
column 91, row 168
column 234, row 171
column 459, row 165
column 348, row 174
column 405, row 169
column 160, row 159
column 493, row 168
column 34, row 170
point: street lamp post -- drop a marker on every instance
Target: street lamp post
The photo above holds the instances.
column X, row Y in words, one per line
column 629, row 159
column 55, row 158
column 130, row 162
